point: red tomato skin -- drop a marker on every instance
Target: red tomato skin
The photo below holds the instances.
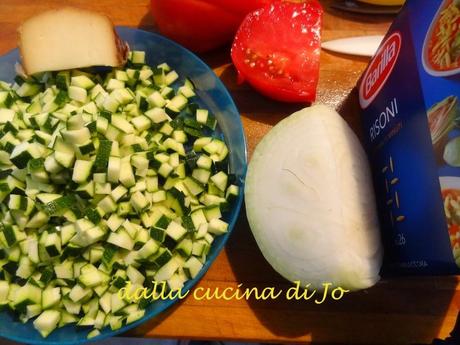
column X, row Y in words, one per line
column 201, row 25
column 294, row 40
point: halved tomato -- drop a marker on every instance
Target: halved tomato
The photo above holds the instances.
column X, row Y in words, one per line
column 276, row 49
column 202, row 25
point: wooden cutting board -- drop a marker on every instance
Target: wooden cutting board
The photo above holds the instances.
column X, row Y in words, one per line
column 396, row 311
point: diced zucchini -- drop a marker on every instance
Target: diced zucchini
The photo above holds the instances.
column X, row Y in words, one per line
column 81, row 171
column 121, row 239
column 217, row 226
column 137, row 57
column 47, row 322
column 192, row 267
column 77, row 93
column 82, row 81
column 105, row 175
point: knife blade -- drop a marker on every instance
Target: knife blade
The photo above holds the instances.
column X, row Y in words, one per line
column 359, row 45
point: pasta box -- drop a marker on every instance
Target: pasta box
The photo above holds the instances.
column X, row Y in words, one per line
column 409, row 99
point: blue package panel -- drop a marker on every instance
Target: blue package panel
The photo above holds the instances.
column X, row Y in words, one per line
column 405, row 171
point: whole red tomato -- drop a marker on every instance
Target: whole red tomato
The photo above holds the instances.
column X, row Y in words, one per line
column 276, row 49
column 201, row 25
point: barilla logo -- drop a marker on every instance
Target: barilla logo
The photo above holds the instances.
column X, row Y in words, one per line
column 379, row 69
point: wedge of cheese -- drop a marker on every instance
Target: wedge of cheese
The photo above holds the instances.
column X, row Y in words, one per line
column 69, row 38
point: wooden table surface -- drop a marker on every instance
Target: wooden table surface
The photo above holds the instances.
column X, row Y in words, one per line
column 396, row 311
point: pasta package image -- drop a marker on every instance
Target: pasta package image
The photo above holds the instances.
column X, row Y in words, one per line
column 409, row 96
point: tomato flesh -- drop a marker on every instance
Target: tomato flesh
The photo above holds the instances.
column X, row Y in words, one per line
column 201, row 25
column 276, row 50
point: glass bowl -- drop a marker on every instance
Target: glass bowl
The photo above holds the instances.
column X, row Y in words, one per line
column 211, row 94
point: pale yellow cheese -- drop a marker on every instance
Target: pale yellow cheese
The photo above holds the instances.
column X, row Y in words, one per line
column 69, row 38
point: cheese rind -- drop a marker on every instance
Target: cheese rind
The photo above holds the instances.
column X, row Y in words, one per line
column 69, row 38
